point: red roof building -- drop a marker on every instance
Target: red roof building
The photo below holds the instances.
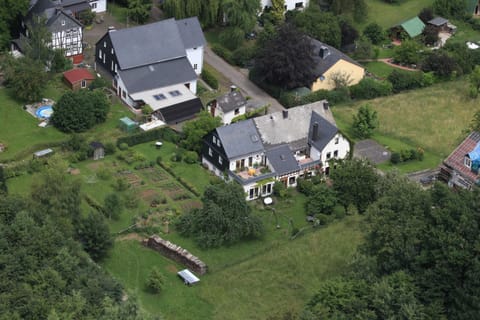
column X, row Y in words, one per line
column 78, row 78
column 459, row 168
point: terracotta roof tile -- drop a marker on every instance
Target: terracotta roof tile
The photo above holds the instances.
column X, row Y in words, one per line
column 456, row 159
column 76, row 75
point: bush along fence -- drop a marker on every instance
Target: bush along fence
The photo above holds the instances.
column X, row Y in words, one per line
column 176, row 253
column 407, row 155
column 166, row 134
column 367, row 88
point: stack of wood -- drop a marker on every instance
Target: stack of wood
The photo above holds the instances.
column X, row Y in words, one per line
column 176, row 253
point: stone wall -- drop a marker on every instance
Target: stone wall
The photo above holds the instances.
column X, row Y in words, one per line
column 176, row 253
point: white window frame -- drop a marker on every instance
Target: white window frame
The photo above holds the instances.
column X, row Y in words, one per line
column 467, row 162
column 83, row 83
column 210, row 152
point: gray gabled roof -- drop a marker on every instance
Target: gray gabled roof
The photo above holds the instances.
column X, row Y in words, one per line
column 240, row 138
column 438, row 21
column 276, row 129
column 322, row 64
column 282, row 159
column 231, row 101
column 325, row 133
column 147, row 44
column 157, row 75
column 191, row 32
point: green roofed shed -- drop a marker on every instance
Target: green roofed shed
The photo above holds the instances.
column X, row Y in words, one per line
column 127, row 124
column 413, row 27
column 472, row 7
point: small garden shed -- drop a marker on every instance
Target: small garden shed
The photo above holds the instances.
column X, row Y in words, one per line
column 127, row 124
column 98, row 150
column 407, row 29
column 78, row 78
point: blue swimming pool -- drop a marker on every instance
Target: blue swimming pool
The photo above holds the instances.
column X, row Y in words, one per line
column 44, row 112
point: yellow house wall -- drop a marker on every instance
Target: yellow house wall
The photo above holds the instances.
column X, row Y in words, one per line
column 355, row 73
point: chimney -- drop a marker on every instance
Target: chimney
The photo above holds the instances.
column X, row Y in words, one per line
column 233, row 88
column 315, row 131
column 285, row 114
column 323, row 52
column 325, row 105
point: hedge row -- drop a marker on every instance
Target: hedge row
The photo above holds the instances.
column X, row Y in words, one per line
column 209, row 79
column 166, row 134
column 94, row 204
column 184, row 183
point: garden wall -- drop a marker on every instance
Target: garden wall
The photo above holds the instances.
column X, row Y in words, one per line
column 176, row 253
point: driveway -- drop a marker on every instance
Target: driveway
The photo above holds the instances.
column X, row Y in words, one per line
column 241, row 80
column 371, row 150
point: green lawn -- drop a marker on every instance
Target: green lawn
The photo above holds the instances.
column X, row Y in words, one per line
column 251, row 280
column 379, row 68
column 19, row 130
column 433, row 118
column 388, row 15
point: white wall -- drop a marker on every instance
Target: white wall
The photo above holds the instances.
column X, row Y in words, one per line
column 121, row 86
column 101, row 5
column 342, row 148
column 227, row 117
column 68, row 40
column 289, row 3
column 195, row 57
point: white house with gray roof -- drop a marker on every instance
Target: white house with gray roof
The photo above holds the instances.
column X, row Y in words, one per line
column 282, row 146
column 156, row 64
column 61, row 20
column 228, row 106
column 289, row 4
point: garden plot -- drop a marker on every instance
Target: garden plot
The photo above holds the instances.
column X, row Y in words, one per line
column 175, row 191
column 155, row 175
column 133, row 179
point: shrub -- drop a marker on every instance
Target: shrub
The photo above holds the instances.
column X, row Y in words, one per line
column 110, row 148
column 369, row 88
column 222, row 52
column 405, row 80
column 339, row 212
column 209, row 78
column 190, row 157
column 323, row 219
column 123, row 146
column 395, row 158
column 279, row 189
column 305, row 186
column 159, row 160
column 166, row 134
column 243, row 56
column 155, row 280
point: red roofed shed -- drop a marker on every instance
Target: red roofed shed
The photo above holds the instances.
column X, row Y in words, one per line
column 78, row 78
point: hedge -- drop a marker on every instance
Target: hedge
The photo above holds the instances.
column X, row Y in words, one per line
column 223, row 52
column 166, row 134
column 369, row 88
column 209, row 79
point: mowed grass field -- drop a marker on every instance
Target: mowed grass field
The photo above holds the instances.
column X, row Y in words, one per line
column 275, row 277
column 19, row 129
column 433, row 118
column 387, row 15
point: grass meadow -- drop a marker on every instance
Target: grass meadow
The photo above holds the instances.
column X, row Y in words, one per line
column 252, row 280
column 434, row 119
column 387, row 15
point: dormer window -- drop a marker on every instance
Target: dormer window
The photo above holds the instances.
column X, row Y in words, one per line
column 467, row 162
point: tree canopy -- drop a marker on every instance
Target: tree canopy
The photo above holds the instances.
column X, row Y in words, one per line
column 195, row 130
column 225, row 218
column 78, row 111
column 286, row 59
column 44, row 272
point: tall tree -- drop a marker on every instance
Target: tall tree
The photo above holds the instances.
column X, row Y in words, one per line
column 11, row 12
column 225, row 218
column 355, row 183
column 78, row 111
column 94, row 235
column 195, row 130
column 324, row 26
column 139, row 10
column 286, row 59
column 365, row 122
column 26, row 77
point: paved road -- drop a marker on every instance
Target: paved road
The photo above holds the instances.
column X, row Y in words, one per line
column 241, row 80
